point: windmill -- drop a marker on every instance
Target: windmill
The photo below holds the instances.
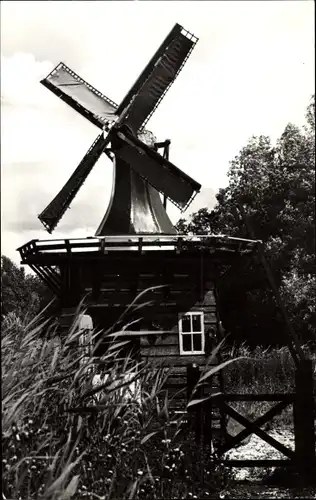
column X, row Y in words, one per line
column 136, row 248
column 140, row 173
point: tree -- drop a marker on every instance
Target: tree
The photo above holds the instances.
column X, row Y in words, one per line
column 201, row 222
column 22, row 294
column 276, row 187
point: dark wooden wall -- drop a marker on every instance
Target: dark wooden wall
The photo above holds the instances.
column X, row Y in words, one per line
column 186, row 283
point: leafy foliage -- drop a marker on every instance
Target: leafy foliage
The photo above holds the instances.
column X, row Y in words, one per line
column 23, row 295
column 276, row 187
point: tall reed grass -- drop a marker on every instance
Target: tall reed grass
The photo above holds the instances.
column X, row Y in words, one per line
column 65, row 438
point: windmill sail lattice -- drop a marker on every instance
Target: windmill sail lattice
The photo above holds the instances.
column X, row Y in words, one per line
column 58, row 206
column 152, row 85
column 140, row 172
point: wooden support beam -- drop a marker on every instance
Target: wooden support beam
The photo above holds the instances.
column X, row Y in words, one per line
column 287, row 398
column 40, row 273
column 53, row 275
column 258, row 463
column 293, row 341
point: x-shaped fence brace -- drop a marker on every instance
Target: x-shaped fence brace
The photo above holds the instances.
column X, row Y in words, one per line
column 255, row 427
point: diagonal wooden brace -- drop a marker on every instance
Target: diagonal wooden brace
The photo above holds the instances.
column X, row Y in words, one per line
column 275, row 410
column 253, row 428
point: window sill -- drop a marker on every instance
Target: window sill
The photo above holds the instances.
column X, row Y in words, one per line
column 192, row 353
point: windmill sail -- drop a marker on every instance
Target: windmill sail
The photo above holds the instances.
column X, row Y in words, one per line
column 169, row 180
column 158, row 76
column 56, row 209
column 80, row 95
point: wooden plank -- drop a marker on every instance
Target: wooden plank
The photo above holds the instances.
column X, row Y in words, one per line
column 142, row 333
column 166, row 350
column 259, row 463
column 210, row 317
column 126, row 296
column 86, row 258
column 209, row 298
column 175, row 292
column 161, row 338
column 66, row 321
column 177, row 391
column 164, row 318
column 199, row 306
column 176, row 361
column 125, row 271
column 180, row 380
column 178, row 370
column 177, row 399
column 116, row 300
column 173, row 289
column 172, row 339
column 158, row 311
column 287, row 398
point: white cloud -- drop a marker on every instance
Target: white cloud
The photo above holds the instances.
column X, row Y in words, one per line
column 251, row 73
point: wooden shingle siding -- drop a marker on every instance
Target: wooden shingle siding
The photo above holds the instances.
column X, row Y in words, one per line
column 67, row 317
column 187, row 285
column 176, row 360
column 164, row 351
column 177, row 379
column 209, row 298
column 164, row 339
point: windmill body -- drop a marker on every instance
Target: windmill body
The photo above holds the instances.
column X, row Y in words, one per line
column 136, row 248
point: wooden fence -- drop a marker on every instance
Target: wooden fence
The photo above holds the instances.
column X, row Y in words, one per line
column 303, row 458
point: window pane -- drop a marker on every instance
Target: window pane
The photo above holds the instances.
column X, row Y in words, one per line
column 186, row 343
column 186, row 324
column 197, row 342
column 197, row 322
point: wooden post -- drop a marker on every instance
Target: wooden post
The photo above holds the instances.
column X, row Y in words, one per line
column 193, row 375
column 208, row 422
column 303, row 412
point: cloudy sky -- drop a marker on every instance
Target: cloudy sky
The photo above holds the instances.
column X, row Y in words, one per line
column 251, row 73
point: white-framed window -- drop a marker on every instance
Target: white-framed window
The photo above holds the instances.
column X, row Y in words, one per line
column 191, row 333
